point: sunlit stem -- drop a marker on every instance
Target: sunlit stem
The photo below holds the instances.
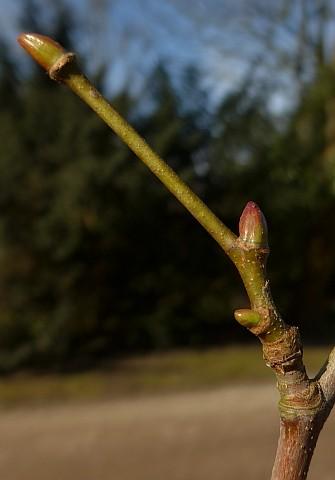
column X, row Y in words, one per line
column 61, row 67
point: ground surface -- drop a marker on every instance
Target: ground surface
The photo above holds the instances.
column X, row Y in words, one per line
column 179, row 436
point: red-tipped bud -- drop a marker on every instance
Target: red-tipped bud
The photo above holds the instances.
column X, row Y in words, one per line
column 252, row 227
column 44, row 50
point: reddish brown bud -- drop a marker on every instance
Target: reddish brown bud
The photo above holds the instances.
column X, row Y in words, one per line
column 252, row 227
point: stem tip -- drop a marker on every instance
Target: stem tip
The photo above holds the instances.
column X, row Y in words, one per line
column 43, row 49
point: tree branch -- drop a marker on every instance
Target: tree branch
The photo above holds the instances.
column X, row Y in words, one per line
column 327, row 379
column 304, row 403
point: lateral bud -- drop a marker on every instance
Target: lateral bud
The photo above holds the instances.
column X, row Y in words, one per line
column 248, row 318
column 252, row 227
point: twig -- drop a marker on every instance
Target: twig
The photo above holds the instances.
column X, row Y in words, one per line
column 304, row 403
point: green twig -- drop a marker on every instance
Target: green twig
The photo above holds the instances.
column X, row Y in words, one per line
column 248, row 252
column 61, row 66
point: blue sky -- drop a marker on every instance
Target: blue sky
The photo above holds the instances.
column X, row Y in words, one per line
column 140, row 33
column 132, row 36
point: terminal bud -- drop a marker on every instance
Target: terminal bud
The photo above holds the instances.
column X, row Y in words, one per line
column 45, row 51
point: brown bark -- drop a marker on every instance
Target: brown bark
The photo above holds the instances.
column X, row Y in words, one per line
column 297, row 440
column 304, row 407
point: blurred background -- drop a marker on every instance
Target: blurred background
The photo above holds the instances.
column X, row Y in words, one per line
column 107, row 286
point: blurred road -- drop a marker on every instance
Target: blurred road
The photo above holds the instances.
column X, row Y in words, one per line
column 225, row 434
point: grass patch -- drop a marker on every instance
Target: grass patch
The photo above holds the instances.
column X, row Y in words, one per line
column 156, row 373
